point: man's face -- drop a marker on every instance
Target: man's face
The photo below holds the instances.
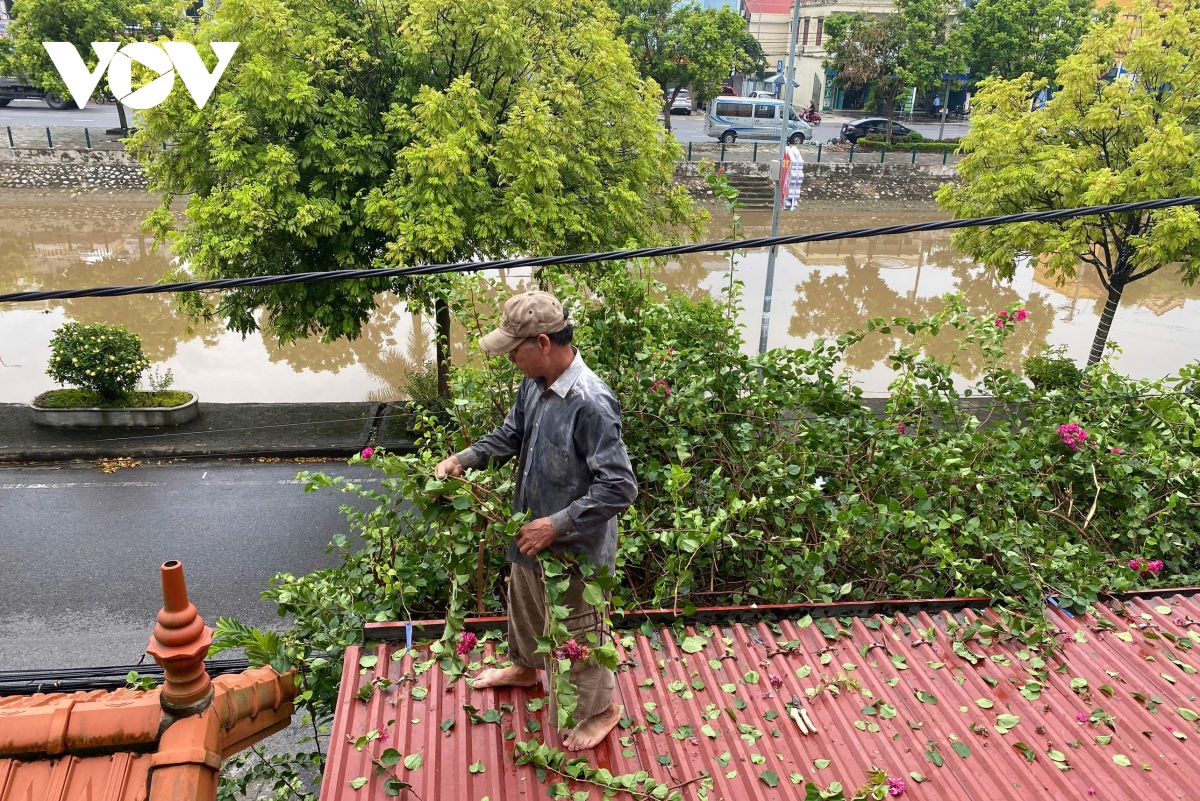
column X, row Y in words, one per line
column 532, row 357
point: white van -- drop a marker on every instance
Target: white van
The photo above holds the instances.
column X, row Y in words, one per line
column 733, row 118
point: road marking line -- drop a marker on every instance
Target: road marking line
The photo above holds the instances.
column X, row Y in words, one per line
column 68, row 485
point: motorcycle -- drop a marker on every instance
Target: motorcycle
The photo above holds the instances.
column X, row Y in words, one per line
column 813, row 118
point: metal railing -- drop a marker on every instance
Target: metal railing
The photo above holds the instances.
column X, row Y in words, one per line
column 58, row 137
column 756, row 152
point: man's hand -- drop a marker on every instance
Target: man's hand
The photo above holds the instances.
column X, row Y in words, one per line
column 449, row 467
column 535, row 536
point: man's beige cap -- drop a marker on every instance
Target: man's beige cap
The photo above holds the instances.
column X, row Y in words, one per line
column 525, row 315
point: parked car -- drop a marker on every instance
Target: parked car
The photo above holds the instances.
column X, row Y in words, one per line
column 853, row 131
column 727, row 91
column 764, row 94
column 733, row 118
column 16, row 89
column 682, row 104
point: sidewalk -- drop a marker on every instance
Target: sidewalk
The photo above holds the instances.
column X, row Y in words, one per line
column 221, row 429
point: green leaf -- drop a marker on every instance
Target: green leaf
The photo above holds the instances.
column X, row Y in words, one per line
column 593, row 595
column 693, row 645
column 708, row 731
column 757, row 759
column 1006, row 722
column 1103, row 739
column 934, row 757
column 1188, row 714
column 664, row 759
column 361, row 780
column 820, row 764
column 1030, row 754
column 803, row 672
column 389, row 757
column 984, row 703
column 925, row 698
column 961, row 748
column 752, row 676
column 419, row 693
column 1121, row 760
column 476, row 767
column 447, row 724
column 769, row 777
column 368, row 661
column 414, row 761
column 916, row 777
column 723, row 759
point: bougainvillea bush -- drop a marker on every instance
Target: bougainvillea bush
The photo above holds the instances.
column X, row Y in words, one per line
column 763, row 479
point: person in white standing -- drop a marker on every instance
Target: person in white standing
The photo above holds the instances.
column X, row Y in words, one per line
column 794, row 178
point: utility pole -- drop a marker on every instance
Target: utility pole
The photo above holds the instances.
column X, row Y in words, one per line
column 789, row 79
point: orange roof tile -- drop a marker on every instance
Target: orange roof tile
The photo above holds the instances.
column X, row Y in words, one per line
column 129, row 745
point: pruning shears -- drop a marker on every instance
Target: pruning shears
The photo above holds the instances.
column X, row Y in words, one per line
column 799, row 715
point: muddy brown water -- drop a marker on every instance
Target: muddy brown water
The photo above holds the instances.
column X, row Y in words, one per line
column 54, row 241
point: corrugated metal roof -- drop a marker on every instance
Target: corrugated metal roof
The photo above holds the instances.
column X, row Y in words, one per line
column 1135, row 657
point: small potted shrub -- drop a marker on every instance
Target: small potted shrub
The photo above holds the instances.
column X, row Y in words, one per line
column 1053, row 370
column 101, row 366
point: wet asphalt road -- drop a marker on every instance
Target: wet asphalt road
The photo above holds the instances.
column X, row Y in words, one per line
column 80, row 550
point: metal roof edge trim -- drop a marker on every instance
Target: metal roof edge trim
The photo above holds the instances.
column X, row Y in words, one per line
column 396, row 630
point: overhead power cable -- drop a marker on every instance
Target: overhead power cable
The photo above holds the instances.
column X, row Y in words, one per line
column 592, row 258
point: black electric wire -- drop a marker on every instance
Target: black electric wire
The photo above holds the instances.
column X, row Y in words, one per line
column 592, row 258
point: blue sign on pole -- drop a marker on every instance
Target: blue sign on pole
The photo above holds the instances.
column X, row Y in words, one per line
column 779, row 66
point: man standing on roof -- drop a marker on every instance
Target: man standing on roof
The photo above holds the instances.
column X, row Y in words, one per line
column 575, row 479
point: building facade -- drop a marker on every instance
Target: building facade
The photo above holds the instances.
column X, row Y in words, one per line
column 770, row 20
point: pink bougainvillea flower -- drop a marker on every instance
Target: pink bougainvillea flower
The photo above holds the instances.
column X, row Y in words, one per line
column 1091, row 791
column 383, row 736
column 1003, row 314
column 1117, row 451
column 895, row 786
column 1135, row 564
column 1154, row 566
column 367, row 453
column 776, row 682
column 1020, row 315
column 670, row 351
column 1000, row 322
column 900, row 429
column 466, row 643
column 573, row 651
column 660, row 383
column 1082, row 718
column 1072, row 435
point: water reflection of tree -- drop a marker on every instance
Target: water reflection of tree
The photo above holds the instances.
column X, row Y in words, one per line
column 152, row 317
column 831, row 304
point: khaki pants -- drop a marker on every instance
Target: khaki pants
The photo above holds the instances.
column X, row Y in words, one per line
column 527, row 620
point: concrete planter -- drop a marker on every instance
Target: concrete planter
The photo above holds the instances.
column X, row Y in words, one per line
column 128, row 417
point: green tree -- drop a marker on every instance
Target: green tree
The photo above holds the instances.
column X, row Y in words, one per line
column 1008, row 38
column 892, row 54
column 401, row 132
column 1097, row 141
column 79, row 22
column 686, row 45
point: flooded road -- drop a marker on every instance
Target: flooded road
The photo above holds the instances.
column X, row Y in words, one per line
column 821, row 290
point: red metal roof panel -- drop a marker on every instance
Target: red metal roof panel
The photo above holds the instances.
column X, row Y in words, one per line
column 905, row 698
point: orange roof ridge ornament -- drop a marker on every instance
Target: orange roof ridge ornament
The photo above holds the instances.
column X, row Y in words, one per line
column 179, row 644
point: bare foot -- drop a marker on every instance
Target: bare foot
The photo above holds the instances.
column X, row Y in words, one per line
column 592, row 731
column 511, row 676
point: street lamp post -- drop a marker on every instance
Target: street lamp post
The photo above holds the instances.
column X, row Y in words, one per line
column 789, row 78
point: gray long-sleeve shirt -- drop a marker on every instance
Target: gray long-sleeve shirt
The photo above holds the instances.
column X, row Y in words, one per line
column 573, row 466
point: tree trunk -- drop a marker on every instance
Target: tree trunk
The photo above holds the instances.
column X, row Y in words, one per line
column 1106, row 318
column 667, row 113
column 442, row 338
column 121, row 116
